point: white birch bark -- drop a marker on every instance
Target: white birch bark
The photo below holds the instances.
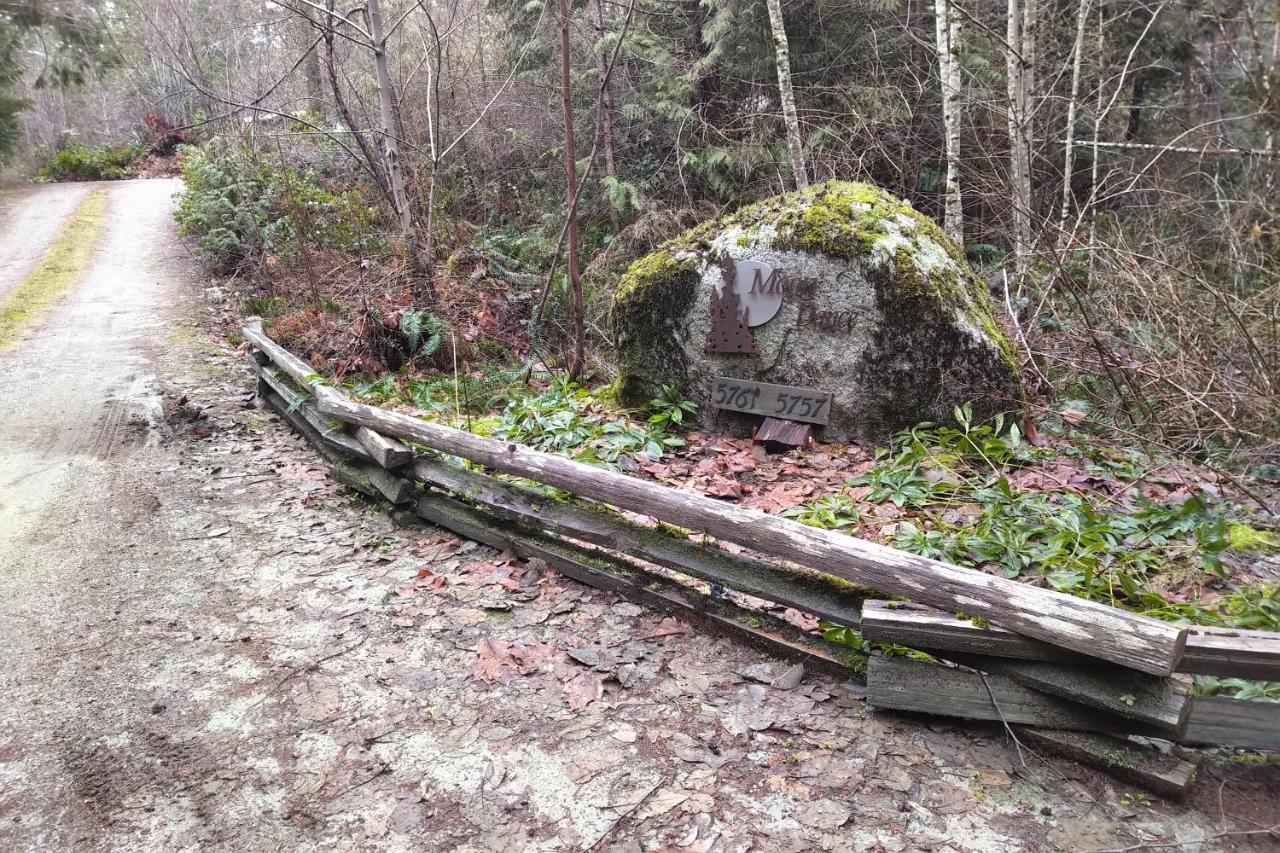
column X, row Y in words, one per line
column 947, row 35
column 782, row 58
column 1099, row 113
column 1068, row 149
column 1020, row 62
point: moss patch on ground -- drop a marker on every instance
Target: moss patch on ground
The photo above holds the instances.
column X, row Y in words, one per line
column 1250, row 540
column 61, row 269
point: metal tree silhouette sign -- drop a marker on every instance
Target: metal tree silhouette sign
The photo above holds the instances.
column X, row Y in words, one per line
column 729, row 329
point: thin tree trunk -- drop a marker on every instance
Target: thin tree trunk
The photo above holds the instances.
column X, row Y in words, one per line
column 1270, row 81
column 571, row 182
column 1013, row 81
column 782, row 57
column 1068, row 148
column 1020, row 38
column 947, row 34
column 1098, row 115
column 605, row 120
column 311, row 64
column 344, row 112
column 387, row 129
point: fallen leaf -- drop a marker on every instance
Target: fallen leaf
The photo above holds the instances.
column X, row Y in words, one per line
column 822, row 814
column 669, row 626
column 661, row 803
column 583, row 689
column 493, row 661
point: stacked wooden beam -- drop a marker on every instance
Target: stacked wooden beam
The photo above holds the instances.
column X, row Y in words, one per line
column 1058, row 663
column 986, row 672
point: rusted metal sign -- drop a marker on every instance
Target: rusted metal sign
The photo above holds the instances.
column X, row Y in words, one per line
column 730, row 325
column 778, row 401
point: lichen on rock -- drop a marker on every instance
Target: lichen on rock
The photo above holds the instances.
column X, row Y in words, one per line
column 880, row 308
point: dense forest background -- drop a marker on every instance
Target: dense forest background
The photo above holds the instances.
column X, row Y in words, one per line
column 1110, row 166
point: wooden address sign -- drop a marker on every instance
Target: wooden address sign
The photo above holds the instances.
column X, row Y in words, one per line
column 776, row 401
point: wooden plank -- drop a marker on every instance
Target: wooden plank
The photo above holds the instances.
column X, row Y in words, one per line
column 1083, row 626
column 1160, row 704
column 353, row 476
column 1223, row 721
column 331, row 434
column 295, row 368
column 1125, row 759
column 1233, row 653
column 902, row 684
column 387, row 452
column 778, row 401
column 341, row 468
column 394, row 488
column 812, row 592
column 613, row 574
column 1224, row 652
column 916, row 626
column 297, row 421
column 779, row 431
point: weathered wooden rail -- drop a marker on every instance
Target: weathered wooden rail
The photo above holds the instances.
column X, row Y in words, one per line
column 1050, row 661
column 1082, row 626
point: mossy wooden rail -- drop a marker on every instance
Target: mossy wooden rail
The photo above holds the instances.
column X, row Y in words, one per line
column 1086, row 627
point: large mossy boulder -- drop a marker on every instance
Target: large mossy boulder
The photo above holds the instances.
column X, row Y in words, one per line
column 877, row 306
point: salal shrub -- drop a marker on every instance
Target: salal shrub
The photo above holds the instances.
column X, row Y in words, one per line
column 84, row 163
column 239, row 207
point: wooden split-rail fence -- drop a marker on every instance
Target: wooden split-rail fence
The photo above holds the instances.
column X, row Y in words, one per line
column 1070, row 675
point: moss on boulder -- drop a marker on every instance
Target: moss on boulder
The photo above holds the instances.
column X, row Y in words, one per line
column 917, row 331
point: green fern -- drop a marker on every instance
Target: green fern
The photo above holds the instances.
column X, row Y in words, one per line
column 423, row 333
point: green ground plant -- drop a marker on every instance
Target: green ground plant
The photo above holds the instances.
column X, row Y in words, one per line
column 955, row 484
column 569, row 420
column 238, row 206
column 92, row 163
column 61, row 268
column 671, row 412
column 833, row 512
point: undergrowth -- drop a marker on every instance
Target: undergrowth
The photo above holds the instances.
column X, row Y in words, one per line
column 567, row 419
column 239, row 206
column 77, row 162
column 564, row 418
column 956, row 488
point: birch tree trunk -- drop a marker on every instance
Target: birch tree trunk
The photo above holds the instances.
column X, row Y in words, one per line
column 1020, row 59
column 571, row 175
column 782, row 57
column 947, row 35
column 1068, row 147
column 1271, row 80
column 1099, row 113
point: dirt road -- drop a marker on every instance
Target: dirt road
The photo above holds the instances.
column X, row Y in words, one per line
column 205, row 645
column 30, row 219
